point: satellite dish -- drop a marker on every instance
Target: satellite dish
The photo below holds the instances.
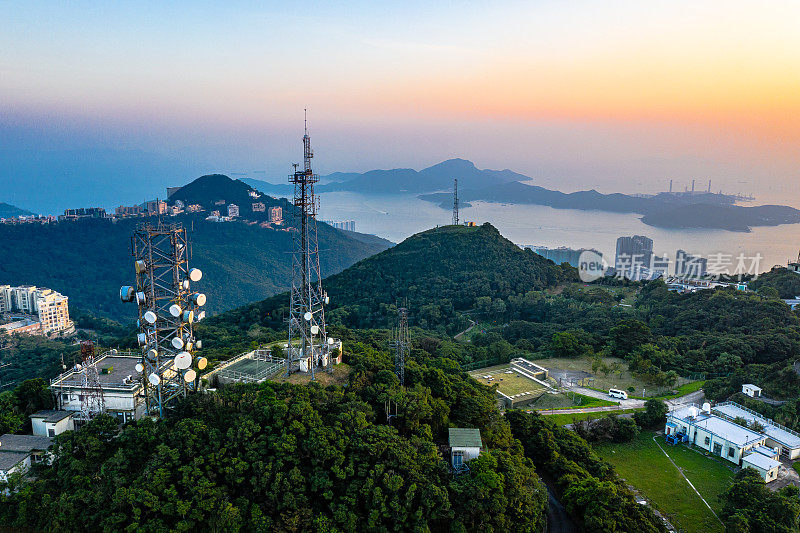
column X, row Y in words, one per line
column 185, row 284
column 189, row 346
column 183, row 360
column 195, row 274
column 177, row 343
column 140, row 298
column 78, row 366
column 707, row 407
column 199, row 298
column 188, row 316
column 189, row 376
column 201, row 315
column 142, row 338
column 154, row 379
column 201, row 362
column 330, row 340
column 175, row 310
column 150, row 317
column 152, row 354
column 308, row 316
column 126, row 293
column 139, row 367
column 140, row 266
column 198, row 344
column 327, row 300
column 314, row 329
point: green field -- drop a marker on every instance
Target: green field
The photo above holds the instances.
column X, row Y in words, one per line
column 508, row 384
column 569, row 418
column 568, row 401
column 642, row 464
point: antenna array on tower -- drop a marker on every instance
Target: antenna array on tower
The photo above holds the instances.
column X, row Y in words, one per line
column 92, row 401
column 455, row 202
column 167, row 310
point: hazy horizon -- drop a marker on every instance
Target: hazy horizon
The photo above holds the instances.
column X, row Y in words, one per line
column 99, row 102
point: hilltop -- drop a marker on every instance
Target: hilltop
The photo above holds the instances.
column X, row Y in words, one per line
column 11, row 211
column 216, row 191
column 88, row 260
column 438, row 273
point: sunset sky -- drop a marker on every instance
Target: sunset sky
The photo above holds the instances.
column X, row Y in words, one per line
column 576, row 94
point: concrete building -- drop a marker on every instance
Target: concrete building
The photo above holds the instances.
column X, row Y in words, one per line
column 713, row 433
column 122, row 388
column 128, row 211
column 83, row 212
column 766, row 466
column 233, row 210
column 155, row 207
column 634, row 257
column 259, row 207
column 51, row 308
column 19, row 452
column 562, row 254
column 51, row 423
column 275, row 215
column 785, row 440
column 690, row 266
column 194, row 208
column 751, row 390
column 465, row 445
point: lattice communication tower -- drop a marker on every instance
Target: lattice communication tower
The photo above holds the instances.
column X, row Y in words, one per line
column 308, row 342
column 455, row 202
column 402, row 344
column 92, row 401
column 168, row 308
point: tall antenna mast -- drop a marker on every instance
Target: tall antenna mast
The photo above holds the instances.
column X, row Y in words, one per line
column 455, row 202
column 92, row 401
column 401, row 344
column 308, row 343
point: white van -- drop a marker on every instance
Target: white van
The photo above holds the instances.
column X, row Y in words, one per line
column 616, row 393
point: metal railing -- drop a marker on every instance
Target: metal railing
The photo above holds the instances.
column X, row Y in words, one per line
column 768, row 421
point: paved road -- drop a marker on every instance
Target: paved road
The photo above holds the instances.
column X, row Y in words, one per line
column 624, row 404
column 558, row 520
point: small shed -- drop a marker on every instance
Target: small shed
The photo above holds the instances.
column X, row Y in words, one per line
column 465, row 445
column 50, row 423
column 768, row 468
column 751, row 390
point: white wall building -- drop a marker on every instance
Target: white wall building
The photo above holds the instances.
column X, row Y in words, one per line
column 51, row 423
column 51, row 307
column 465, row 445
column 121, row 384
column 19, row 452
column 751, row 390
column 766, row 466
column 233, row 210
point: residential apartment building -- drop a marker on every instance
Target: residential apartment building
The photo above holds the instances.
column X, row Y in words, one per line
column 275, row 215
column 233, row 210
column 51, row 307
column 259, row 207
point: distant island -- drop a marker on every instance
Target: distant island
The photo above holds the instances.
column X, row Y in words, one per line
column 11, row 211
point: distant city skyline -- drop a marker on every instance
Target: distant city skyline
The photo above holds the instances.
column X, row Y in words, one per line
column 614, row 96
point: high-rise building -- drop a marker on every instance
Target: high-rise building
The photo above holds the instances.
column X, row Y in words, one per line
column 276, row 215
column 690, row 266
column 259, row 207
column 83, row 212
column 562, row 254
column 51, row 307
column 635, row 259
column 155, row 207
column 233, row 210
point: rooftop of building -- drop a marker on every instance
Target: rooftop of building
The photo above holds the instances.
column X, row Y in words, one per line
column 52, row 415
column 465, row 438
column 765, row 450
column 9, row 460
column 761, row 461
column 751, row 386
column 120, row 366
column 719, row 426
column 779, row 434
column 24, row 443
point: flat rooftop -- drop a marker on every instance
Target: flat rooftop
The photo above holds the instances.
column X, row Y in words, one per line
column 761, row 461
column 465, row 438
column 719, row 426
column 121, row 367
column 782, row 436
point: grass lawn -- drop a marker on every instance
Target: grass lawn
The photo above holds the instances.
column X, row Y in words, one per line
column 563, row 420
column 642, row 464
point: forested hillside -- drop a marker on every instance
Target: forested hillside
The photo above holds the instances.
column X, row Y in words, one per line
column 88, row 260
column 437, row 274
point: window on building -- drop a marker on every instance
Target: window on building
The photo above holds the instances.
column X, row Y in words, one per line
column 707, row 441
column 718, row 448
column 731, row 452
column 51, row 432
